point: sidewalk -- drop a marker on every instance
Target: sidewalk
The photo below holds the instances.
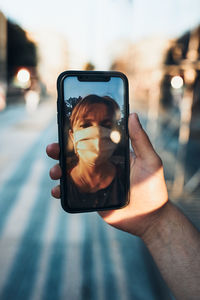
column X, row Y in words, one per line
column 167, row 146
column 165, row 143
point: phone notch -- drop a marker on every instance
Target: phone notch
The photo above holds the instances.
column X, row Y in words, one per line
column 96, row 78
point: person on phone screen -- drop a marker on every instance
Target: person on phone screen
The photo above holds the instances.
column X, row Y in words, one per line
column 94, row 177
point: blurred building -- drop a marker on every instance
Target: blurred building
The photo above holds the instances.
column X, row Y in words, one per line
column 142, row 62
column 21, row 64
column 3, row 59
column 168, row 72
column 21, row 51
column 18, row 52
column 182, row 61
column 153, row 64
column 17, row 57
column 53, row 57
column 3, row 47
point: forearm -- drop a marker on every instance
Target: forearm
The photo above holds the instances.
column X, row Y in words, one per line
column 175, row 246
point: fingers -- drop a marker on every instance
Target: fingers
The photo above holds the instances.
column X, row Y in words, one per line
column 55, row 172
column 55, row 192
column 53, row 150
column 139, row 139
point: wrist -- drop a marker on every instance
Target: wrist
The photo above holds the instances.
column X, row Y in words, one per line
column 157, row 227
column 174, row 244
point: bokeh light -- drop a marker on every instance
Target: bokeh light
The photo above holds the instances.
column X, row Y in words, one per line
column 177, row 82
column 115, row 136
column 23, row 75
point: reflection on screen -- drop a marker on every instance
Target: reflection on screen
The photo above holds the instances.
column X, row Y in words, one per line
column 95, row 147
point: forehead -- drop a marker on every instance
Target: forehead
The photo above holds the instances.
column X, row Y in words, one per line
column 94, row 111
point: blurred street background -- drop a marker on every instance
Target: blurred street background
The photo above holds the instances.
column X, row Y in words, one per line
column 46, row 253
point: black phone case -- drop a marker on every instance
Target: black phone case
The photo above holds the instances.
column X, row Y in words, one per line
column 92, row 76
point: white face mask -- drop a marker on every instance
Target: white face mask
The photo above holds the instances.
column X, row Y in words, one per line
column 93, row 144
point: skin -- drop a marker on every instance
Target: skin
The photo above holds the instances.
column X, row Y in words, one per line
column 170, row 237
column 91, row 178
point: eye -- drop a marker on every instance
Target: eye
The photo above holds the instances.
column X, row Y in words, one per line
column 85, row 124
column 107, row 123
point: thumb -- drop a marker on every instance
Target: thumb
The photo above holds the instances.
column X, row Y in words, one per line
column 139, row 139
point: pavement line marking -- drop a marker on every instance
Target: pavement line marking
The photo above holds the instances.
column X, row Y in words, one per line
column 9, row 195
column 98, row 259
column 87, row 288
column 109, row 277
column 11, row 115
column 14, row 145
column 49, row 234
column 116, row 260
column 55, row 270
column 16, row 223
column 72, row 278
column 23, row 272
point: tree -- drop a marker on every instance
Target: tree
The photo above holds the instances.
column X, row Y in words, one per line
column 89, row 66
column 21, row 52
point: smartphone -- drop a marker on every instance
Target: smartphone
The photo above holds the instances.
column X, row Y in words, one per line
column 93, row 111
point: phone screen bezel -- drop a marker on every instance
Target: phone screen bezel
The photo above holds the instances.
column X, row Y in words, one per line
column 90, row 76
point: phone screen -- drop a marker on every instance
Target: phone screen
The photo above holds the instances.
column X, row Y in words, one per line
column 95, row 143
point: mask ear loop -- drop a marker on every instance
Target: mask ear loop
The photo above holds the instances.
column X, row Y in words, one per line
column 71, row 134
column 75, row 149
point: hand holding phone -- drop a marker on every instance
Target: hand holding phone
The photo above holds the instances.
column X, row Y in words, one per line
column 148, row 193
column 150, row 216
column 93, row 137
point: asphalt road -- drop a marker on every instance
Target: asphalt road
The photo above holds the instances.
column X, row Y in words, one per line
column 46, row 253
